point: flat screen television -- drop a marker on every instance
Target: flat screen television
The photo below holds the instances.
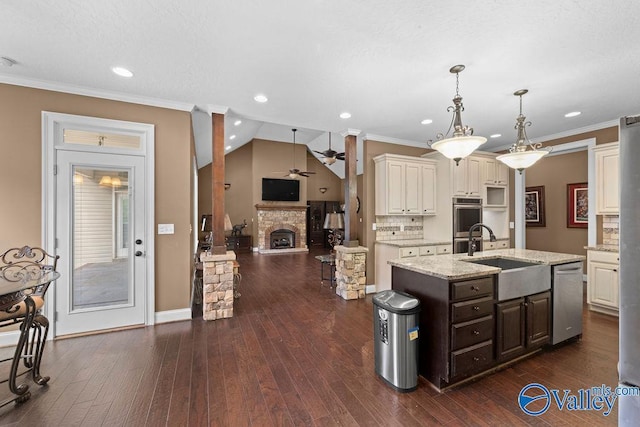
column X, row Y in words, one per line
column 284, row 190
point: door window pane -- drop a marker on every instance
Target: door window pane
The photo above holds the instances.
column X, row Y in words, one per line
column 100, row 235
column 101, row 139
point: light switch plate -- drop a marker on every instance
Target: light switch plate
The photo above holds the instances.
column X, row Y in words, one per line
column 512, row 225
column 373, row 226
column 165, row 228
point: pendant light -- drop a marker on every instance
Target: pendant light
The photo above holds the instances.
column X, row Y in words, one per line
column 462, row 143
column 523, row 153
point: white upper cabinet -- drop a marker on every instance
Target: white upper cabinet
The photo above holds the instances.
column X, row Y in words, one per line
column 466, row 177
column 405, row 185
column 607, row 159
column 494, row 172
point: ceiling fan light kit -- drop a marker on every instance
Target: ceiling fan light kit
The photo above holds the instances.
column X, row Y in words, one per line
column 330, row 156
column 523, row 153
column 462, row 142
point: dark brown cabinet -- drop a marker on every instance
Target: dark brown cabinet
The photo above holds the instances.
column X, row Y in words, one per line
column 522, row 325
column 317, row 210
column 239, row 243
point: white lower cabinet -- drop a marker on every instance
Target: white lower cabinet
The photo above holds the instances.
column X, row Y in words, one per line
column 386, row 252
column 603, row 281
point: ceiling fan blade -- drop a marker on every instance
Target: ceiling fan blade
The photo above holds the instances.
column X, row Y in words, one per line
column 340, row 156
column 319, row 152
column 306, row 174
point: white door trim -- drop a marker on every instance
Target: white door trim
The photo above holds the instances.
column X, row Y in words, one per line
column 570, row 147
column 52, row 127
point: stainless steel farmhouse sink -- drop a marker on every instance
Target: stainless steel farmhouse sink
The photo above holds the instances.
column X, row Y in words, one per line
column 518, row 278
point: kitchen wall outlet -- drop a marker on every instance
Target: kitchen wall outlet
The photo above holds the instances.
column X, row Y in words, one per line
column 373, row 226
column 165, row 229
column 401, row 227
column 512, row 225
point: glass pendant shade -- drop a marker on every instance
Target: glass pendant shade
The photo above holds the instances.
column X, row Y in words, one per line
column 523, row 159
column 457, row 148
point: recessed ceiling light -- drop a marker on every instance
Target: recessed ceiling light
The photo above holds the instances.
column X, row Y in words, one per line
column 426, row 122
column 237, row 122
column 232, row 137
column 122, row 72
column 573, row 114
column 345, row 115
column 495, row 135
column 228, row 147
column 260, row 98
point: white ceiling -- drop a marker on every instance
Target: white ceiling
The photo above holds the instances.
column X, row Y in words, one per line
column 385, row 62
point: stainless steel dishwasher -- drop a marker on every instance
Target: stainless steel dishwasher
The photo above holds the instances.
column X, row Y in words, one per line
column 567, row 301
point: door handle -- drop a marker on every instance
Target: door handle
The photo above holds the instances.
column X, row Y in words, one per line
column 138, row 253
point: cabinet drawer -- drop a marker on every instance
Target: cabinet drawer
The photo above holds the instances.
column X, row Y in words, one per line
column 502, row 244
column 471, row 332
column 603, row 256
column 487, row 245
column 443, row 249
column 408, row 252
column 472, row 288
column 471, row 360
column 428, row 250
column 461, row 311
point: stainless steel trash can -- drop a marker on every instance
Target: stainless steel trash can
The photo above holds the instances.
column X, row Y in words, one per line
column 395, row 330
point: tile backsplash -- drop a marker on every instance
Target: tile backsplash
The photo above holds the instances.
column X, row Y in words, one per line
column 610, row 230
column 399, row 227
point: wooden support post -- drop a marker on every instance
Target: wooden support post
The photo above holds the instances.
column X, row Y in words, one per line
column 218, row 246
column 350, row 190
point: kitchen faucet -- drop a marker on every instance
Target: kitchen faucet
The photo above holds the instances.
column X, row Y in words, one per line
column 472, row 240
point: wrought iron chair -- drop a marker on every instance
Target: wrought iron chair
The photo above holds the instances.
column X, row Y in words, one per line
column 24, row 265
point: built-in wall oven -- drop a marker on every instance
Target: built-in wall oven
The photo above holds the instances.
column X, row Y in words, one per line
column 466, row 212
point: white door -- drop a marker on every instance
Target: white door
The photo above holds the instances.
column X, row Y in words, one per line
column 100, row 230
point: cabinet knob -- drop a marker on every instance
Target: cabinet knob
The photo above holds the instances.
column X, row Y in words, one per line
column 475, row 288
column 476, row 359
column 476, row 308
column 616, row 270
column 476, row 332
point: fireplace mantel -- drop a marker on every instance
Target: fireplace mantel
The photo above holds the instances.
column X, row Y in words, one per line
column 281, row 207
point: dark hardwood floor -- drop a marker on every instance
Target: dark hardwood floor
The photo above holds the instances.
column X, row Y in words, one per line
column 293, row 354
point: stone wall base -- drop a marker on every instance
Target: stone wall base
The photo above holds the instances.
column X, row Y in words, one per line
column 217, row 279
column 351, row 272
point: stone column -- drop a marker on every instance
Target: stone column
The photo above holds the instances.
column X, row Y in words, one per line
column 217, row 280
column 351, row 271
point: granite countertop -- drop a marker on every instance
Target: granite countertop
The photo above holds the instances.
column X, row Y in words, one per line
column 414, row 242
column 604, row 248
column 452, row 266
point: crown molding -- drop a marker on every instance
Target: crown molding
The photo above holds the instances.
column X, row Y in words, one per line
column 95, row 93
column 391, row 140
column 352, row 132
column 566, row 133
column 217, row 109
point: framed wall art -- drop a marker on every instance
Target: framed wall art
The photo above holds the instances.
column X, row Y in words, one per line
column 577, row 205
column 534, row 206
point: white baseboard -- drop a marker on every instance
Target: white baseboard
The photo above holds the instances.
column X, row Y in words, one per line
column 370, row 289
column 173, row 315
column 9, row 339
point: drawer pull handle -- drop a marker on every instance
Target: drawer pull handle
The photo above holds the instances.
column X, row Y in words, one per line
column 476, row 359
column 476, row 332
column 475, row 288
column 615, row 270
column 476, row 308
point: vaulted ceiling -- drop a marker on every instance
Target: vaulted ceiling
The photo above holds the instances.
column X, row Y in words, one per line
column 385, row 62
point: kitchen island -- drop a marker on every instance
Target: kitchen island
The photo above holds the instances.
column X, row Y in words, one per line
column 477, row 318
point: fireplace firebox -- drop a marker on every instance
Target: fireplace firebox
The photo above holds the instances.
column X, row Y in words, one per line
column 282, row 239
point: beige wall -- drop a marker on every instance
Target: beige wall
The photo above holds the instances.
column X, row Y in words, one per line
column 245, row 168
column 555, row 173
column 371, row 150
column 21, row 166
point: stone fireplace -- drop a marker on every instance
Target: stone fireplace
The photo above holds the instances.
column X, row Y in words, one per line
column 281, row 228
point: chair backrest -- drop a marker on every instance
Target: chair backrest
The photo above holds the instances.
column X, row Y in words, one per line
column 17, row 264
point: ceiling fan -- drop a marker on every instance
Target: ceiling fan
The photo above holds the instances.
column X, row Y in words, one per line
column 293, row 172
column 330, row 156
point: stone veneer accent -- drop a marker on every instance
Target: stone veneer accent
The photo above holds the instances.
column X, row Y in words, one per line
column 611, row 230
column 275, row 217
column 351, row 272
column 217, row 282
